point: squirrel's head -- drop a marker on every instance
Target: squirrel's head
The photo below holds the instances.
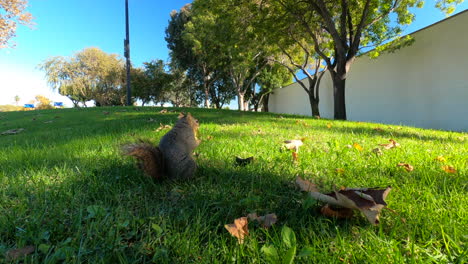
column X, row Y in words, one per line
column 193, row 123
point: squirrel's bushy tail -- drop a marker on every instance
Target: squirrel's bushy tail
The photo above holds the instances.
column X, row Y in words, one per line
column 150, row 158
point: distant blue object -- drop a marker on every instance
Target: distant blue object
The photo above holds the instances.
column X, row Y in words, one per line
column 28, row 106
column 58, row 104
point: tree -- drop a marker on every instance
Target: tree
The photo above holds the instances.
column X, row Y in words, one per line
column 272, row 77
column 351, row 26
column 43, row 102
column 12, row 13
column 192, row 48
column 91, row 74
column 238, row 51
column 17, row 99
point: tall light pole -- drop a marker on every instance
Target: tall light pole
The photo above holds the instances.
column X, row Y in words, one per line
column 127, row 54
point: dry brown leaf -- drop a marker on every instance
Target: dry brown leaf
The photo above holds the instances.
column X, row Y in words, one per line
column 161, row 127
column 14, row 254
column 377, row 151
column 392, row 144
column 340, row 170
column 209, row 138
column 441, row 159
column 243, row 162
column 379, row 129
column 449, row 169
column 293, row 144
column 295, row 156
column 370, row 201
column 357, row 146
column 239, row 229
column 258, row 132
column 406, row 166
column 339, row 213
column 317, row 117
column 265, row 221
column 163, row 111
column 12, row 131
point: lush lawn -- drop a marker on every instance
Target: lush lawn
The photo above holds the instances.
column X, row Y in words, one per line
column 66, row 190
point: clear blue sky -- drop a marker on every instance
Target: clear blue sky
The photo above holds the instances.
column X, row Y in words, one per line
column 66, row 26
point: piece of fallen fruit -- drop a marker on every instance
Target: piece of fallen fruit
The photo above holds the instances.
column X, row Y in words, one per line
column 239, row 229
column 12, row 131
column 370, row 201
column 243, row 162
column 293, row 144
column 265, row 221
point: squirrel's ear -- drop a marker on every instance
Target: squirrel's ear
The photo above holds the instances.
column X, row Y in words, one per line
column 181, row 115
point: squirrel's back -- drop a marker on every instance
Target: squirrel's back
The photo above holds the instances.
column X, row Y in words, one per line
column 173, row 157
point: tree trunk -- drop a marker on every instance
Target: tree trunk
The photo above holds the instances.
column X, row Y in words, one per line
column 207, row 97
column 240, row 101
column 314, row 104
column 339, row 84
column 266, row 99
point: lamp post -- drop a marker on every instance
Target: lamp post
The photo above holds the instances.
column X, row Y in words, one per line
column 127, row 54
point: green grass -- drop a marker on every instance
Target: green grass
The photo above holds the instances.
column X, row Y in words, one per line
column 65, row 189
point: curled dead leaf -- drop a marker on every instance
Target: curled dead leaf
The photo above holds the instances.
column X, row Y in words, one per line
column 163, row 111
column 377, row 151
column 161, row 127
column 293, row 144
column 441, row 159
column 244, row 162
column 449, row 169
column 392, row 144
column 339, row 213
column 357, row 146
column 370, row 201
column 239, row 229
column 295, row 156
column 406, row 166
column 14, row 254
column 12, row 131
column 265, row 221
column 340, row 170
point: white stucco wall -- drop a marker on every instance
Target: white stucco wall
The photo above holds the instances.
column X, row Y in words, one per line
column 423, row 85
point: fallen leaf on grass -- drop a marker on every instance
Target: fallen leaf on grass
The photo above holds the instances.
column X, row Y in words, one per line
column 105, row 113
column 243, row 162
column 340, row 170
column 357, row 146
column 392, row 144
column 14, row 254
column 293, row 144
column 295, row 156
column 209, row 138
column 265, row 220
column 441, row 159
column 406, row 166
column 370, row 201
column 377, row 151
column 12, row 131
column 239, row 229
column 339, row 213
column 161, row 127
column 329, row 125
column 449, row 169
column 258, row 132
column 379, row 129
column 163, row 111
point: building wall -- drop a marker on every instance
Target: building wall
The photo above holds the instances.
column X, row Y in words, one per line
column 423, row 85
